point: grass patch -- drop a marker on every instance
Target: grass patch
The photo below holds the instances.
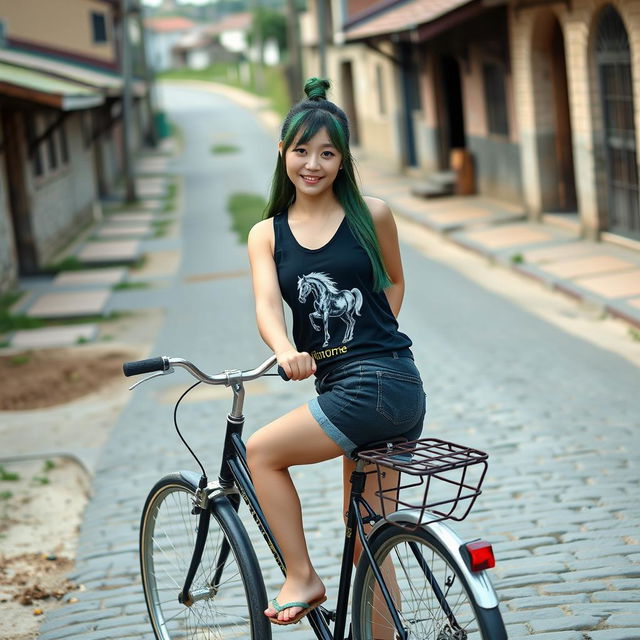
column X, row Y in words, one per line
column 14, row 322
column 48, row 466
column 124, row 286
column 8, row 476
column 634, row 333
column 70, row 263
column 6, row 495
column 246, row 209
column 20, row 359
column 224, row 148
column 517, row 258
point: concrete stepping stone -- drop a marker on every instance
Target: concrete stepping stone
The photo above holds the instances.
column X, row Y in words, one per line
column 151, row 182
column 619, row 285
column 125, row 231
column 587, row 266
column 69, row 304
column 151, row 205
column 106, row 251
column 508, row 236
column 133, row 218
column 151, row 191
column 90, row 276
column 54, row 336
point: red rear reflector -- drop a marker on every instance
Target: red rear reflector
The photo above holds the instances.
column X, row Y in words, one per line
column 480, row 555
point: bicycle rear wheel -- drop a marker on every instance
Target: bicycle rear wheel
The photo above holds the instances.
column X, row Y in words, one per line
column 452, row 614
column 228, row 588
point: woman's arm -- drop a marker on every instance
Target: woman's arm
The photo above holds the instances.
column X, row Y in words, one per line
column 268, row 299
column 387, row 234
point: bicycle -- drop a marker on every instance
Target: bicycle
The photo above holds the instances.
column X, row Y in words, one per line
column 415, row 579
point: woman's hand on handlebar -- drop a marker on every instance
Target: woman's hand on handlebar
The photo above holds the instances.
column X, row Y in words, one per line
column 297, row 365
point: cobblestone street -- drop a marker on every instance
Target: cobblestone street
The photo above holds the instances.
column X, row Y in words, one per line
column 558, row 415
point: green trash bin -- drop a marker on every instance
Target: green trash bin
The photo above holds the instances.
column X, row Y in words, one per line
column 161, row 125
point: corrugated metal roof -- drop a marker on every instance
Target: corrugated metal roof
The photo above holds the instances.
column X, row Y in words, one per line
column 45, row 89
column 403, row 18
column 106, row 81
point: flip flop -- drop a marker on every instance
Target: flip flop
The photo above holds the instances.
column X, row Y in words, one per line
column 307, row 607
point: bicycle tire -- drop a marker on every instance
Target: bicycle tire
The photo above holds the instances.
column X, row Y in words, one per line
column 420, row 612
column 167, row 535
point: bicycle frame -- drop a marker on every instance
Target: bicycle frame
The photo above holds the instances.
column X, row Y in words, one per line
column 234, row 478
column 235, row 483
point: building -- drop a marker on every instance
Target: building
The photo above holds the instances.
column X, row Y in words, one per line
column 542, row 96
column 61, row 90
column 164, row 33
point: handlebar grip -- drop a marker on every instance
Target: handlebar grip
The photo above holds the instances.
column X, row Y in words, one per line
column 282, row 374
column 143, row 366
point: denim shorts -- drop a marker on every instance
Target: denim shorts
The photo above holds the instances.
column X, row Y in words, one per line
column 370, row 400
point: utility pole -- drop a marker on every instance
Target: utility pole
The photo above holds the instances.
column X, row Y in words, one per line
column 151, row 133
column 257, row 31
column 127, row 103
column 322, row 37
column 294, row 67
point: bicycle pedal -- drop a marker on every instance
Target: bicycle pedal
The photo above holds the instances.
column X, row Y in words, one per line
column 328, row 614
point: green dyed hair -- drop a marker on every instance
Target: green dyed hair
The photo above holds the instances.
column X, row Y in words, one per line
column 305, row 119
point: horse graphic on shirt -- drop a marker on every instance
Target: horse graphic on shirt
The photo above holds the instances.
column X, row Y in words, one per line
column 330, row 302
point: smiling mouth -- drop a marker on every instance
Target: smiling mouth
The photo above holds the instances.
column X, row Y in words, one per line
column 311, row 179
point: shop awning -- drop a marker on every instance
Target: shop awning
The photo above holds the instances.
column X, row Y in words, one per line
column 108, row 82
column 408, row 16
column 42, row 88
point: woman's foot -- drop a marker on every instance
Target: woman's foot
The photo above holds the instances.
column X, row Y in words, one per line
column 309, row 591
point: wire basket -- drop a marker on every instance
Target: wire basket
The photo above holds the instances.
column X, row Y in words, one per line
column 436, row 480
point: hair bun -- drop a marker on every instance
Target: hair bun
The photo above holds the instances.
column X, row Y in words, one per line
column 316, row 88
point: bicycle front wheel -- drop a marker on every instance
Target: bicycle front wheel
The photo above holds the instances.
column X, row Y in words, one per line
column 228, row 590
column 429, row 591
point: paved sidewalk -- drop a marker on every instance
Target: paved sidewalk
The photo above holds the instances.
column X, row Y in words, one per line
column 599, row 273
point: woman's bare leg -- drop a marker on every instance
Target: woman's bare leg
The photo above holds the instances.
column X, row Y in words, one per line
column 295, row 438
column 383, row 627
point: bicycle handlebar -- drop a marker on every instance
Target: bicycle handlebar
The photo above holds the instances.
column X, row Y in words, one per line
column 164, row 363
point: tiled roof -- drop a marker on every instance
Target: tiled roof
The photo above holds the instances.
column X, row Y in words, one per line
column 402, row 18
column 169, row 23
column 233, row 22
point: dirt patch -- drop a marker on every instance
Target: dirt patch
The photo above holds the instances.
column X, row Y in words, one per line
column 48, row 377
column 41, row 506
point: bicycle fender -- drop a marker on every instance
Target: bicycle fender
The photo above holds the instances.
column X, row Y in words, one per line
column 478, row 582
column 191, row 477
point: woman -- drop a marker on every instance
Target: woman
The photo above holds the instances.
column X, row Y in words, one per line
column 334, row 258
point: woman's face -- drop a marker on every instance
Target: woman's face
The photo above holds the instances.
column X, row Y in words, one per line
column 313, row 166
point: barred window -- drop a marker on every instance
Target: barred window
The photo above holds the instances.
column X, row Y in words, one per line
column 495, row 98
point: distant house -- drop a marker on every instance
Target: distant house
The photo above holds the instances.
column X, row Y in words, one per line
column 60, row 125
column 163, row 34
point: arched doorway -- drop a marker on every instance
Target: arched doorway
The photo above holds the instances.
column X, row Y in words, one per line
column 613, row 65
column 553, row 121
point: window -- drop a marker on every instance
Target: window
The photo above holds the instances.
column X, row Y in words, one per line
column 495, row 98
column 98, row 27
column 51, row 155
column 35, row 154
column 382, row 107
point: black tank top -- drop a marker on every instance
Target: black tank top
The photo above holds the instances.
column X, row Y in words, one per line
column 337, row 316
